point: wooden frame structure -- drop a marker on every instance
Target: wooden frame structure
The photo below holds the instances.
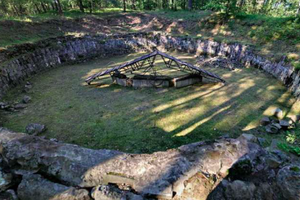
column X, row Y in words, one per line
column 146, row 62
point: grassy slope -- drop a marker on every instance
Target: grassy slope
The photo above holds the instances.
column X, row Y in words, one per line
column 147, row 120
column 29, row 29
column 272, row 37
column 275, row 38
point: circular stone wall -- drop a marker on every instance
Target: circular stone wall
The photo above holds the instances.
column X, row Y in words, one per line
column 68, row 50
column 34, row 168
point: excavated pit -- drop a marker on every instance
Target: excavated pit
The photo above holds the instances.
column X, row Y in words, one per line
column 149, row 120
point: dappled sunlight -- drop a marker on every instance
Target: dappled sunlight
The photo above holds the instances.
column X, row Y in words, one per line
column 205, row 91
column 110, row 116
column 252, row 125
column 197, row 124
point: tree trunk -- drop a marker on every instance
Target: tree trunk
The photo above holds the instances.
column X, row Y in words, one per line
column 190, row 4
column 54, row 6
column 133, row 5
column 38, row 10
column 15, row 10
column 21, row 10
column 43, row 7
column 124, row 5
column 80, row 4
column 298, row 10
column 91, row 6
column 59, row 9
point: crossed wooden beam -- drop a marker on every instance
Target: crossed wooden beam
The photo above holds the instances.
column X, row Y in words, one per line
column 146, row 62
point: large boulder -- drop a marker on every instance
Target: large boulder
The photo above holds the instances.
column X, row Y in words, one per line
column 35, row 187
column 288, row 180
column 159, row 174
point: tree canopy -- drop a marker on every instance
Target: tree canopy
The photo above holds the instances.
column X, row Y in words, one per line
column 269, row 7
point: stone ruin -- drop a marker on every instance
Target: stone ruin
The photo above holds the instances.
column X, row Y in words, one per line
column 150, row 77
column 44, row 55
column 34, row 168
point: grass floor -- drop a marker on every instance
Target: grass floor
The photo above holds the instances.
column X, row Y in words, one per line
column 146, row 120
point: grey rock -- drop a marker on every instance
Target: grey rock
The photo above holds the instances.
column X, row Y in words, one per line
column 5, row 106
column 191, row 171
column 273, row 161
column 35, row 187
column 27, row 87
column 288, row 180
column 9, row 195
column 277, row 125
column 26, row 99
column 284, row 124
column 6, row 181
column 109, row 192
column 240, row 190
column 265, row 192
column 158, row 174
column 274, row 144
column 248, row 137
column 261, row 141
column 265, row 121
column 19, row 106
column 273, row 128
column 277, row 112
column 35, row 129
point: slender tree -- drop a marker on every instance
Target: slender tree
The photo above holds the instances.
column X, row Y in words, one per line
column 124, row 5
column 190, row 4
column 298, row 10
column 59, row 8
column 80, row 4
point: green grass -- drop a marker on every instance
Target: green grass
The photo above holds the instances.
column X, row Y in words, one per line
column 272, row 37
column 193, row 15
column 146, row 120
column 30, row 29
column 72, row 14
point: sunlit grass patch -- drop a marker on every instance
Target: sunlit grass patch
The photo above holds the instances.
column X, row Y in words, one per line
column 104, row 115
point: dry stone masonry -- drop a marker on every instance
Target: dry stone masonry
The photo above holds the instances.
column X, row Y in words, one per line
column 221, row 169
column 33, row 168
column 54, row 52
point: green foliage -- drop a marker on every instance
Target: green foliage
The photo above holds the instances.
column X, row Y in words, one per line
column 268, row 7
column 295, row 169
column 289, row 148
column 291, row 138
column 214, row 6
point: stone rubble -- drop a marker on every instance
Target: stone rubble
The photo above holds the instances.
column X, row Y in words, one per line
column 35, row 129
column 276, row 123
column 26, row 99
column 218, row 61
column 222, row 169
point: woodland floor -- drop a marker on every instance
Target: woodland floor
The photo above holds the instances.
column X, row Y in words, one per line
column 146, row 120
column 278, row 39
